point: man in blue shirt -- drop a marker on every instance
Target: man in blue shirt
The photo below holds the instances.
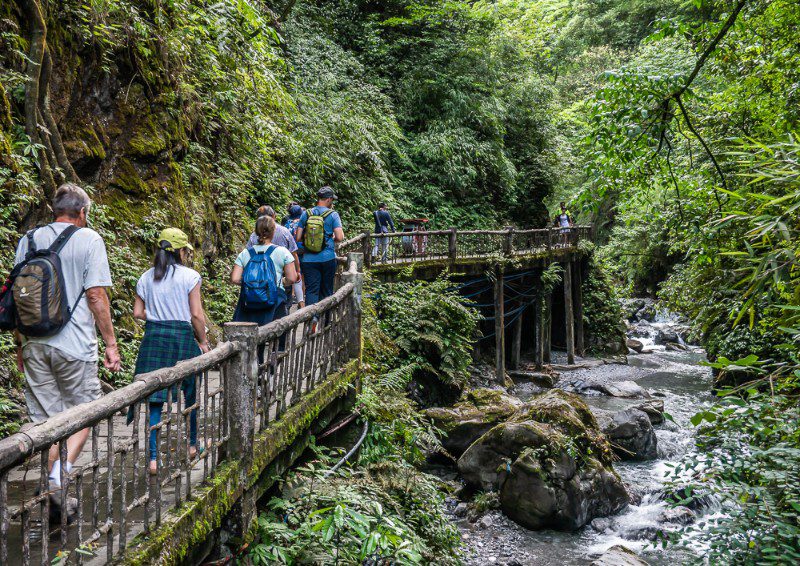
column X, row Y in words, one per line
column 319, row 269
column 383, row 225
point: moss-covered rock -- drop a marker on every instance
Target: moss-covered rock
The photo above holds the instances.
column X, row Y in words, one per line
column 550, row 464
column 469, row 419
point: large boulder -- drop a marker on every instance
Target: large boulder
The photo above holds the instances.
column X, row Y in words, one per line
column 630, row 433
column 550, row 464
column 466, row 421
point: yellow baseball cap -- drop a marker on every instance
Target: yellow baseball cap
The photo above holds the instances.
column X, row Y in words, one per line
column 177, row 239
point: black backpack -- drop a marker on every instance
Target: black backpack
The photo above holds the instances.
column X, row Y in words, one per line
column 33, row 299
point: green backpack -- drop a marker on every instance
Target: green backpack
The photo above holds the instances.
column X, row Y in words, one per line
column 314, row 233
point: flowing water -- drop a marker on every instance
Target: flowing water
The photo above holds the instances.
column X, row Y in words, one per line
column 684, row 385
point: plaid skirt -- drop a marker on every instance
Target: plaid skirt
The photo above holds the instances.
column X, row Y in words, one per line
column 164, row 345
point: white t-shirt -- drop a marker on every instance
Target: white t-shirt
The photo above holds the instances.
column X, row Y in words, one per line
column 168, row 299
column 280, row 256
column 84, row 264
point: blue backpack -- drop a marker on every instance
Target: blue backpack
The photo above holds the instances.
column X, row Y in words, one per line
column 259, row 284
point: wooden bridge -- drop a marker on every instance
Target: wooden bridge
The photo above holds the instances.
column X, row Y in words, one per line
column 254, row 418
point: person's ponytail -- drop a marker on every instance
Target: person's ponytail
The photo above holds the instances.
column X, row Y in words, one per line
column 165, row 260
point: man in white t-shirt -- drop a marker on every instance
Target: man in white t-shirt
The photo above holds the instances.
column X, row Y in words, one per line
column 61, row 370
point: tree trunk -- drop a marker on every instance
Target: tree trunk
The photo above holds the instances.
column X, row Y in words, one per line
column 38, row 44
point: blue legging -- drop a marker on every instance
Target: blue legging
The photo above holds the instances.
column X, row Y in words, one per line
column 155, row 418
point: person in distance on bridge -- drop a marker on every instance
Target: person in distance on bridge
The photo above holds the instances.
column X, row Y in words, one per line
column 383, row 225
column 283, row 237
column 320, row 228
column 61, row 367
column 169, row 300
column 565, row 222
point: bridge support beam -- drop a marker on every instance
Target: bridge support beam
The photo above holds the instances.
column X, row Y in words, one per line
column 547, row 315
column 516, row 342
column 578, row 298
column 499, row 325
column 569, row 315
column 538, row 331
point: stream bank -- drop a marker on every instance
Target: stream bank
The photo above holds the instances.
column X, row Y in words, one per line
column 664, row 373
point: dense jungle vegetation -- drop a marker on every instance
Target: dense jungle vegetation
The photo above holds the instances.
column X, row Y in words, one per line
column 670, row 124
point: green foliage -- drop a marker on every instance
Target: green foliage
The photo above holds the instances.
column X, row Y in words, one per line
column 430, row 326
column 389, row 511
column 749, row 456
column 601, row 309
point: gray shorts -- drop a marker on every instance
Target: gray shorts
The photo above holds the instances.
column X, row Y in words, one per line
column 55, row 382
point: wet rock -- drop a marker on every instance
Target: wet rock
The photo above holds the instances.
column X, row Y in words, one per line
column 550, row 464
column 665, row 336
column 634, row 345
column 619, row 555
column 460, row 510
column 625, row 389
column 470, row 418
column 642, row 329
column 538, row 378
column 674, row 347
column 601, row 524
column 654, row 409
column 631, row 435
column 679, row 515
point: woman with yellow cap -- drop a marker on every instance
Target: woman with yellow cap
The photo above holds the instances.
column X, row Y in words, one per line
column 168, row 299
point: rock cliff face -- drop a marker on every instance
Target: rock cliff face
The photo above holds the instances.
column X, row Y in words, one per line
column 119, row 119
column 550, row 464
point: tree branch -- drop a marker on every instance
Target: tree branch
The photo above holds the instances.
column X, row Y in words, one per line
column 710, row 48
column 708, row 151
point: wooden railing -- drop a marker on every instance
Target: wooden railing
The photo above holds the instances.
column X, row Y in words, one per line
column 116, row 496
column 409, row 247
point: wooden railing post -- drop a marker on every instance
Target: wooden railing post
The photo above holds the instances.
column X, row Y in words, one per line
column 549, row 239
column 240, row 396
column 452, row 251
column 508, row 248
column 366, row 249
column 357, row 278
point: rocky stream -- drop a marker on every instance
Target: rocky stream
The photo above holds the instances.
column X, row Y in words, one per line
column 559, row 499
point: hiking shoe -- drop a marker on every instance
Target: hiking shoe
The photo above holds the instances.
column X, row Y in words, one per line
column 55, row 505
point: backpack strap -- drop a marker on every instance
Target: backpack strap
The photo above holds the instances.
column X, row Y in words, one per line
column 63, row 238
column 31, row 242
column 326, row 213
